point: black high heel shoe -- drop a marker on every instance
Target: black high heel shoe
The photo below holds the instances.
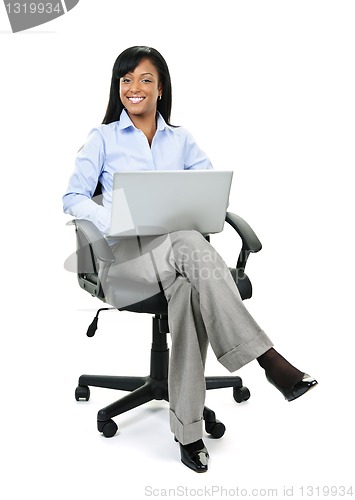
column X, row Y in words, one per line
column 197, row 460
column 300, row 388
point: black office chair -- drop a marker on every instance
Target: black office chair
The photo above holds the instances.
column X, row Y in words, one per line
column 94, row 257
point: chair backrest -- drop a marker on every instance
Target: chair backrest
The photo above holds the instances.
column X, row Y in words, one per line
column 88, row 272
column 87, row 266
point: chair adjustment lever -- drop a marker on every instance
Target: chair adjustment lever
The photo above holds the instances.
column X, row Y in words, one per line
column 93, row 326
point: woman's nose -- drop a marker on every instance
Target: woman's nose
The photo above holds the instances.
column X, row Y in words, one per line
column 135, row 87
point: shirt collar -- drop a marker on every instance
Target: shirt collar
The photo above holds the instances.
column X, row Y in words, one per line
column 161, row 123
column 125, row 121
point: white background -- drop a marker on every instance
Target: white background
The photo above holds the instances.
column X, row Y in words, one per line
column 267, row 89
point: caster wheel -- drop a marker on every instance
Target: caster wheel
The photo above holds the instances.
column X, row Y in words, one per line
column 108, row 428
column 82, row 392
column 241, row 394
column 215, row 429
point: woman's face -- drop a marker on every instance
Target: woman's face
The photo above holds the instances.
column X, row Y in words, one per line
column 140, row 89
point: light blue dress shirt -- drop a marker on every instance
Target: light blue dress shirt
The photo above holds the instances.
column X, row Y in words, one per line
column 120, row 146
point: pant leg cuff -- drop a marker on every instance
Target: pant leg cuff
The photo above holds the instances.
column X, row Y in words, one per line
column 185, row 434
column 246, row 352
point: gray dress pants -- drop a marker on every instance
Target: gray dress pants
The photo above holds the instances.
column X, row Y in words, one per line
column 204, row 307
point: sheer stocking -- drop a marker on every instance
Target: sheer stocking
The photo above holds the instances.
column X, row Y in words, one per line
column 279, row 369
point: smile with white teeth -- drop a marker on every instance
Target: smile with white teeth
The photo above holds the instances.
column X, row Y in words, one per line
column 136, row 100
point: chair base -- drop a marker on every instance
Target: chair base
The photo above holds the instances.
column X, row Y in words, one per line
column 153, row 387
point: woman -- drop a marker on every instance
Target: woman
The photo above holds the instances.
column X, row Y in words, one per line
column 201, row 294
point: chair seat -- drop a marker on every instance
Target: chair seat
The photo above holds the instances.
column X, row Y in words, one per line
column 147, row 298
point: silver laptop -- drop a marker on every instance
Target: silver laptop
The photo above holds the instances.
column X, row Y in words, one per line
column 149, row 203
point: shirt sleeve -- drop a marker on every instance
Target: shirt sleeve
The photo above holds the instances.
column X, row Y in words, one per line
column 195, row 158
column 77, row 200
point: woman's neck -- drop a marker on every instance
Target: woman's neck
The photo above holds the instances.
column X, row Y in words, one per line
column 147, row 124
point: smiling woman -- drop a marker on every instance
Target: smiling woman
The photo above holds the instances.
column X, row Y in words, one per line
column 126, row 68
column 204, row 305
column 139, row 92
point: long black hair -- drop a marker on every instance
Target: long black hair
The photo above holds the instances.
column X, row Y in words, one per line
column 125, row 63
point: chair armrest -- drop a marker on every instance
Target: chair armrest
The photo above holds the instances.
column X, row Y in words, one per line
column 101, row 248
column 251, row 242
